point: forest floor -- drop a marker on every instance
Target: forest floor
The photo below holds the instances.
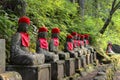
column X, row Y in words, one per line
column 117, row 75
column 89, row 76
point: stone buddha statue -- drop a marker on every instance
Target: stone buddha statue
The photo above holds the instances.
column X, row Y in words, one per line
column 69, row 46
column 78, row 40
column 86, row 39
column 74, row 34
column 75, row 42
column 42, row 45
column 54, row 44
column 82, row 41
column 19, row 52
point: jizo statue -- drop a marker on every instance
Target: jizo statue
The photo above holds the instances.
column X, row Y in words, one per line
column 75, row 44
column 54, row 44
column 42, row 46
column 82, row 41
column 19, row 52
column 69, row 46
column 86, row 39
column 78, row 40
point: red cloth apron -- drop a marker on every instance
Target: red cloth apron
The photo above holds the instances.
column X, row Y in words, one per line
column 55, row 41
column 43, row 43
column 25, row 39
column 70, row 46
column 75, row 43
column 82, row 42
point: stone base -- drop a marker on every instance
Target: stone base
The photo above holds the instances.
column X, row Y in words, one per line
column 91, row 58
column 57, row 70
column 36, row 72
column 83, row 61
column 77, row 63
column 88, row 59
column 70, row 67
column 94, row 55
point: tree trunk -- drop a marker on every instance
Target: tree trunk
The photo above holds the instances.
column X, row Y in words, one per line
column 112, row 11
column 95, row 8
column 82, row 11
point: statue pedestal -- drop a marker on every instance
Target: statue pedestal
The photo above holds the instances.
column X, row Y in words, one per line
column 83, row 61
column 77, row 63
column 70, row 67
column 36, row 72
column 92, row 57
column 57, row 70
column 88, row 59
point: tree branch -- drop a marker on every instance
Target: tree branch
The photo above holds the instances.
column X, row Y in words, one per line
column 113, row 9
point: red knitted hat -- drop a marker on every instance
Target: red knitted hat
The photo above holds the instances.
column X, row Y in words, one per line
column 55, row 30
column 73, row 33
column 24, row 19
column 82, row 36
column 79, row 35
column 69, row 36
column 86, row 35
column 43, row 29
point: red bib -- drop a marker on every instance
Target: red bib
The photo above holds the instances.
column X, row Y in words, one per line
column 70, row 46
column 78, row 43
column 25, row 39
column 82, row 43
column 56, row 41
column 87, row 42
column 75, row 43
column 43, row 43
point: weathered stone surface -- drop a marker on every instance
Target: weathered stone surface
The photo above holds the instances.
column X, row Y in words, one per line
column 83, row 61
column 88, row 59
column 57, row 70
column 94, row 55
column 2, row 55
column 70, row 67
column 64, row 55
column 100, row 78
column 91, row 58
column 36, row 72
column 10, row 76
column 77, row 63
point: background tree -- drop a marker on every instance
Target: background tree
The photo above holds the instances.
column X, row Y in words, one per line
column 114, row 7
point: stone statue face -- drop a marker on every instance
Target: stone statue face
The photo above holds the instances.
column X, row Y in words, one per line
column 42, row 35
column 78, row 38
column 55, row 35
column 75, row 37
column 69, row 40
column 22, row 27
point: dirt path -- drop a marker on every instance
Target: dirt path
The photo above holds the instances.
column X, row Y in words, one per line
column 117, row 75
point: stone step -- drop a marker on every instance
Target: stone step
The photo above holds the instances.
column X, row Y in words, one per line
column 36, row 72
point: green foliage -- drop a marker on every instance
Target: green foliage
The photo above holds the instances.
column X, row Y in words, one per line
column 7, row 28
column 54, row 13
